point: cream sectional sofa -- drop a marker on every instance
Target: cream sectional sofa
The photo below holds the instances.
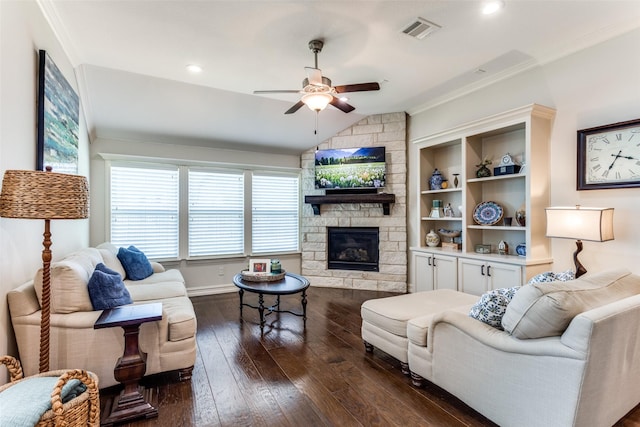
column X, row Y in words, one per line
column 569, row 354
column 170, row 344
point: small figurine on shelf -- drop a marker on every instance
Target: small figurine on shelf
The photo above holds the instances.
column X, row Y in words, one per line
column 455, row 180
column 484, row 171
column 503, row 248
column 448, row 211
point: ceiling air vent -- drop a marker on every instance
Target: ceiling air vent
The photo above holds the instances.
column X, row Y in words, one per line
column 420, row 28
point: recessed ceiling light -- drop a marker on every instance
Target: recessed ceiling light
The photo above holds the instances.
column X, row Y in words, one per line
column 194, row 68
column 490, row 7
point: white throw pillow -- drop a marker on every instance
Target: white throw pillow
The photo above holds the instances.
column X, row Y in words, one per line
column 69, row 279
column 546, row 309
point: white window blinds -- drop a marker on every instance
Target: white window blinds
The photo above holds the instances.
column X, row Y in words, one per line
column 216, row 213
column 144, row 209
column 275, row 209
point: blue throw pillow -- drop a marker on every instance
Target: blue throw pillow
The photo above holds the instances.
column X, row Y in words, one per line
column 106, row 289
column 135, row 263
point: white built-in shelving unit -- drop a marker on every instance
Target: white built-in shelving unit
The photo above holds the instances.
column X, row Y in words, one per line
column 525, row 134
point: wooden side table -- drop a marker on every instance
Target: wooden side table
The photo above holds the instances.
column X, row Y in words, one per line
column 131, row 367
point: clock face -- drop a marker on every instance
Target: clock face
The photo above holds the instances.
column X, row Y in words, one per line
column 613, row 156
column 506, row 160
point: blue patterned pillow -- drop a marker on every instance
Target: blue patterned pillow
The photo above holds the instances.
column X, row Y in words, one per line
column 106, row 289
column 492, row 306
column 550, row 276
column 135, row 263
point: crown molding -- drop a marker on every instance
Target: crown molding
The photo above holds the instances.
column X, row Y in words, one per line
column 558, row 52
column 50, row 13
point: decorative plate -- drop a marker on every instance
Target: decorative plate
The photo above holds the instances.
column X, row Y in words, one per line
column 487, row 213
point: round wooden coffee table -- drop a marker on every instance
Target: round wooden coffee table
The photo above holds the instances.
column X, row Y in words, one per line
column 290, row 284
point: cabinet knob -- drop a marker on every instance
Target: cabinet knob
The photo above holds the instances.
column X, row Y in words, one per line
column 489, row 270
column 434, row 261
column 482, row 269
column 429, row 261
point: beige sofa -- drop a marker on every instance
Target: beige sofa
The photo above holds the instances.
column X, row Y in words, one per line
column 569, row 354
column 170, row 344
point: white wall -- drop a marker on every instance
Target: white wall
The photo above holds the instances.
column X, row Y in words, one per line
column 593, row 87
column 23, row 31
column 201, row 276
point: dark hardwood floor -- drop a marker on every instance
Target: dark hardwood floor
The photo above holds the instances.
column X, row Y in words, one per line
column 292, row 376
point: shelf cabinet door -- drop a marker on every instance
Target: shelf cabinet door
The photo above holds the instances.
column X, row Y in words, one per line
column 477, row 277
column 472, row 276
column 504, row 275
column 423, row 272
column 445, row 272
column 435, row 271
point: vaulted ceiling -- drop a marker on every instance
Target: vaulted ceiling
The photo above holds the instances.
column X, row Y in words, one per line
column 130, row 58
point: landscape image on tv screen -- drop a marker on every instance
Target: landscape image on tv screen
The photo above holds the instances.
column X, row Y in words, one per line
column 350, row 168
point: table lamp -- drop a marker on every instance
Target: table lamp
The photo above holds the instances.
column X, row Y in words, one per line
column 44, row 195
column 580, row 223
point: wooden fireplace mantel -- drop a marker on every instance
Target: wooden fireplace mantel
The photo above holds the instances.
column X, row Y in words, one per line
column 382, row 198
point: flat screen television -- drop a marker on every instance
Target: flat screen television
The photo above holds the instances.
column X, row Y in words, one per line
column 350, row 168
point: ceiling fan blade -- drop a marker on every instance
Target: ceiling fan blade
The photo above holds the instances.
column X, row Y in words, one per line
column 359, row 87
column 341, row 105
column 295, row 108
column 314, row 75
column 257, row 92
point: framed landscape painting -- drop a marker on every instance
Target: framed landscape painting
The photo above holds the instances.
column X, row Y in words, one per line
column 58, row 117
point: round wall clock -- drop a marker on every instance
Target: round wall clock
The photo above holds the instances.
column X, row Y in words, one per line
column 609, row 156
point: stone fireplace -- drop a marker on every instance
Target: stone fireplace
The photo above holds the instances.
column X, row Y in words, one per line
column 352, row 248
column 388, row 130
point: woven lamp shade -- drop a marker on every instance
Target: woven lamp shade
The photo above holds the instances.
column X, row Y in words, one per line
column 44, row 195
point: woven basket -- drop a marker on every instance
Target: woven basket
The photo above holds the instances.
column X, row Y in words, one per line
column 271, row 277
column 83, row 410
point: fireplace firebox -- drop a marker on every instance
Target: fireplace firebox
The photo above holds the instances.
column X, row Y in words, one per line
column 353, row 248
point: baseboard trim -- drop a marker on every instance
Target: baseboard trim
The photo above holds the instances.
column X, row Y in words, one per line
column 210, row 290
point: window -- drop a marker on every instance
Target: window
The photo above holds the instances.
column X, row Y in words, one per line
column 179, row 212
column 144, row 209
column 275, row 220
column 216, row 213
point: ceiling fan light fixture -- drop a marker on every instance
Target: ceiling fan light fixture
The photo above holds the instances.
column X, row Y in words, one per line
column 317, row 101
column 194, row 68
column 491, row 7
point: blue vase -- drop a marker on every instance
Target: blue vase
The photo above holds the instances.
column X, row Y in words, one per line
column 521, row 249
column 435, row 182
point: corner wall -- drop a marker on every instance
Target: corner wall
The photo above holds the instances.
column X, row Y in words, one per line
column 388, row 130
column 586, row 91
column 23, row 31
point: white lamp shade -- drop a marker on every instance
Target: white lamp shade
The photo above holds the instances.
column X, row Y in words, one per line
column 580, row 223
column 317, row 101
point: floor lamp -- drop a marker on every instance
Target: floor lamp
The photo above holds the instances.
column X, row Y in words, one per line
column 44, row 195
column 580, row 223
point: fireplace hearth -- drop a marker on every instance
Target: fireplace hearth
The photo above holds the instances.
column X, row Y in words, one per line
column 353, row 248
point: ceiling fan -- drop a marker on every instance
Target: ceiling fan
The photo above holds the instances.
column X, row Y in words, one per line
column 317, row 91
